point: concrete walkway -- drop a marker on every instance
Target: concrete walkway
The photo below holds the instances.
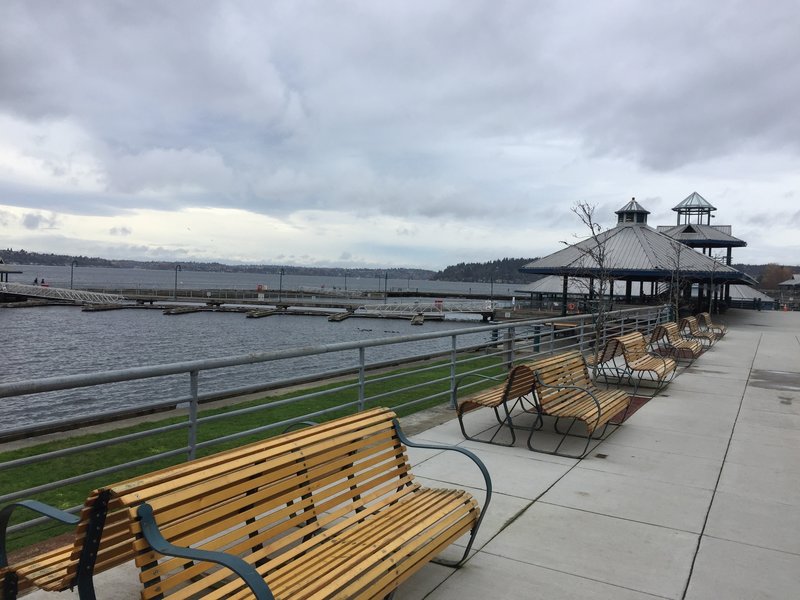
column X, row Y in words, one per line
column 696, row 496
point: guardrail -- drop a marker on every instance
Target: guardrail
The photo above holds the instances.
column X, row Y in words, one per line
column 421, row 378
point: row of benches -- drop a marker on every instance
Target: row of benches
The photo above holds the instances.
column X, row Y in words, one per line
column 560, row 386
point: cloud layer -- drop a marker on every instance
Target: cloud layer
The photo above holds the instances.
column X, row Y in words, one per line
column 389, row 133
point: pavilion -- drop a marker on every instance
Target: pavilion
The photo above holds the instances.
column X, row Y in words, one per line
column 632, row 251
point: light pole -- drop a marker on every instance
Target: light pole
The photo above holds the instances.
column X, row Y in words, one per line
column 280, row 285
column 385, row 288
column 175, row 289
column 72, row 272
column 345, row 281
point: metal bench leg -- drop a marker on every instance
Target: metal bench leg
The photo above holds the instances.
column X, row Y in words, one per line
column 91, row 544
column 10, row 586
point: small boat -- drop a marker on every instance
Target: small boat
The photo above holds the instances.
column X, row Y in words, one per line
column 418, row 319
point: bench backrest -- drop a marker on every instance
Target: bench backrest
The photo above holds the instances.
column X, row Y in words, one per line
column 559, row 370
column 633, row 345
column 255, row 500
column 519, row 382
column 705, row 322
column 669, row 331
column 690, row 323
column 611, row 349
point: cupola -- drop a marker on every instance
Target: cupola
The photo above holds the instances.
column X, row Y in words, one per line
column 632, row 212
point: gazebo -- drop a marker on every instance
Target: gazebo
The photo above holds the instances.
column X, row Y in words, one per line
column 632, row 251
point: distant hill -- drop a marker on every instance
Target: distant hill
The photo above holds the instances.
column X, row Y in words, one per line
column 22, row 257
column 504, row 270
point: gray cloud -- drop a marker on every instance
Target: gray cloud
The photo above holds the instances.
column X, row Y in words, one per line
column 39, row 221
column 121, row 231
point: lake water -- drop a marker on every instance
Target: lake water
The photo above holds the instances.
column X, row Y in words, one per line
column 60, row 340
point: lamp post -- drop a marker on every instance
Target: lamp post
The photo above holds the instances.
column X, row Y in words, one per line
column 280, row 285
column 72, row 272
column 385, row 288
column 175, row 289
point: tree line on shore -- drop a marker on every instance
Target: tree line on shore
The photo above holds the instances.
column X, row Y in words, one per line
column 504, row 270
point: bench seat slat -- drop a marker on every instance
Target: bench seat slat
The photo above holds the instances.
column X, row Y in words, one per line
column 371, row 546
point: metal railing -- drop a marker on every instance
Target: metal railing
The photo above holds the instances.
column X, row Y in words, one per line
column 426, row 376
column 62, row 294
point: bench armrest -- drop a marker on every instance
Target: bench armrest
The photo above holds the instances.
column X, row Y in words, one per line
column 40, row 507
column 478, row 462
column 243, row 569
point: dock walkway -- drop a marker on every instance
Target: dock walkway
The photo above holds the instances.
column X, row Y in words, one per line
column 696, row 496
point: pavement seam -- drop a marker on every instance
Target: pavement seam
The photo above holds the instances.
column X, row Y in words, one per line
column 719, row 475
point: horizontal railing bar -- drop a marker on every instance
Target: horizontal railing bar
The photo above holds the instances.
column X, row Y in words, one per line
column 409, row 388
column 275, row 404
column 29, row 460
column 83, row 477
column 284, row 423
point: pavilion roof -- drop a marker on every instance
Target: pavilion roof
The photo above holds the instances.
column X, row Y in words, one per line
column 698, row 235
column 694, row 201
column 637, row 252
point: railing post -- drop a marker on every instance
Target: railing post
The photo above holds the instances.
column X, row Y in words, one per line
column 194, row 377
column 362, row 378
column 453, row 358
column 537, row 338
column 580, row 327
column 508, row 348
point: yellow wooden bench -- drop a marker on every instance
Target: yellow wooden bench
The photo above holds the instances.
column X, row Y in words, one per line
column 640, row 365
column 666, row 338
column 564, row 390
column 517, row 388
column 690, row 329
column 705, row 324
column 331, row 511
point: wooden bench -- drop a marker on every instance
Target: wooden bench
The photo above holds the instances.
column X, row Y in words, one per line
column 328, row 511
column 517, row 388
column 705, row 324
column 640, row 365
column 564, row 390
column 691, row 330
column 666, row 338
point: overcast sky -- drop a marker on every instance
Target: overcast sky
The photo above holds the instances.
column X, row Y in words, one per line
column 413, row 133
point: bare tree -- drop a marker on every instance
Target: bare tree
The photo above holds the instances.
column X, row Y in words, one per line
column 718, row 258
column 676, row 281
column 597, row 277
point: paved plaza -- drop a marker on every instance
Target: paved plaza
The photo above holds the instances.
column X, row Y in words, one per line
column 696, row 496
